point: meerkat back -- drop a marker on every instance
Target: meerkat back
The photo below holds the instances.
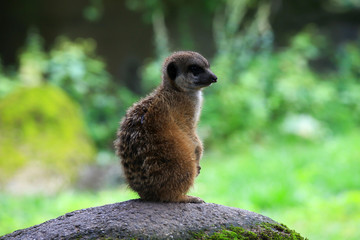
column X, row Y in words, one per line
column 157, row 141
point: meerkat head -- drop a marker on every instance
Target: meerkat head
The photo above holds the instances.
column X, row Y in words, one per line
column 187, row 71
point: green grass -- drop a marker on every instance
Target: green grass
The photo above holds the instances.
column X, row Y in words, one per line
column 22, row 212
column 310, row 186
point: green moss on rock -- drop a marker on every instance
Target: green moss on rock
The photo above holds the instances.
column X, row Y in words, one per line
column 261, row 231
column 42, row 127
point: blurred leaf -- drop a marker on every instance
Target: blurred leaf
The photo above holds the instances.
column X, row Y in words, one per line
column 94, row 11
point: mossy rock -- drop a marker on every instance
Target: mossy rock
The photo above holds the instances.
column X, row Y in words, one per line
column 136, row 219
column 261, row 231
column 42, row 136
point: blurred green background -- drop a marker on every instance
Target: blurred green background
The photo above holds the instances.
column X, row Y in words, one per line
column 281, row 127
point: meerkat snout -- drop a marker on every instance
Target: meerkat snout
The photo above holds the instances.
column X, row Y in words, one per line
column 157, row 141
column 202, row 77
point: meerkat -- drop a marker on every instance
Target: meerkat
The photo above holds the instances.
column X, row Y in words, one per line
column 157, row 141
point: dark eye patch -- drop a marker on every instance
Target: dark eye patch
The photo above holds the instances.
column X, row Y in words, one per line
column 195, row 69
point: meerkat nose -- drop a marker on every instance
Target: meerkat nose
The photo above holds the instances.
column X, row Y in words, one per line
column 213, row 78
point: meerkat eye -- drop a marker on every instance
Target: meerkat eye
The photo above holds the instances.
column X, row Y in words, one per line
column 195, row 69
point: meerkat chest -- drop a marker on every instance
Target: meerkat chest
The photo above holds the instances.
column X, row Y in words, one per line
column 186, row 111
column 198, row 105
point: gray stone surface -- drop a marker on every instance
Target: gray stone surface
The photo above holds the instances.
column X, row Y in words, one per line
column 141, row 220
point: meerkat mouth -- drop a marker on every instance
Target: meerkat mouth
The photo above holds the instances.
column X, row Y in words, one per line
column 207, row 82
column 203, row 84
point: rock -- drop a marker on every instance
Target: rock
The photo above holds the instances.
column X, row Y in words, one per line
column 136, row 219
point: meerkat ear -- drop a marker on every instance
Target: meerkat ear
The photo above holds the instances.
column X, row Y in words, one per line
column 171, row 70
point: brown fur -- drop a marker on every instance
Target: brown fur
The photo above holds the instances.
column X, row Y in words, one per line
column 157, row 140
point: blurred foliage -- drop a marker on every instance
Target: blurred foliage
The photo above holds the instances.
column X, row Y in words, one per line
column 269, row 86
column 341, row 5
column 155, row 12
column 94, row 11
column 43, row 136
column 8, row 81
column 261, row 88
column 265, row 90
column 74, row 67
column 42, row 126
column 151, row 7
